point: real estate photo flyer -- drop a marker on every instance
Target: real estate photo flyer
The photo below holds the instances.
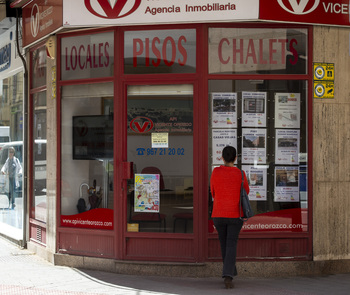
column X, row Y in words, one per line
column 224, row 110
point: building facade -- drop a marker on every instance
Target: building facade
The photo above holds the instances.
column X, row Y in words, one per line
column 133, row 104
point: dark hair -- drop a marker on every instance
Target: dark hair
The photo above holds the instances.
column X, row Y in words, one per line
column 229, row 154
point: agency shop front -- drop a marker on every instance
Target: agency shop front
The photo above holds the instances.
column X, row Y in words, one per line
column 143, row 113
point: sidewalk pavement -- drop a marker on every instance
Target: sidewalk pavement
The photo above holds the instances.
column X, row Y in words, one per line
column 24, row 273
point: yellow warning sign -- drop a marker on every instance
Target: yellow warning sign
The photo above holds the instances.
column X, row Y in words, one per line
column 323, row 89
column 323, row 71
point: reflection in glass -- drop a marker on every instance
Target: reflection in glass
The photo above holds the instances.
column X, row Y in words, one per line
column 11, row 136
column 39, row 156
column 160, row 144
column 257, row 51
column 160, row 51
column 38, row 65
column 87, row 156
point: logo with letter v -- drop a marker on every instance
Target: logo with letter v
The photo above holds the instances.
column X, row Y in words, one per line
column 299, row 7
column 106, row 9
column 141, row 124
column 35, row 20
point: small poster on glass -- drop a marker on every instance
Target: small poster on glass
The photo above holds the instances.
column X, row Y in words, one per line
column 220, row 139
column 286, row 184
column 287, row 146
column 287, row 110
column 257, row 179
column 253, row 146
column 146, row 193
column 224, row 110
column 253, row 109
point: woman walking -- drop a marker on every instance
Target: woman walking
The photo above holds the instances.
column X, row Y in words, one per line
column 225, row 185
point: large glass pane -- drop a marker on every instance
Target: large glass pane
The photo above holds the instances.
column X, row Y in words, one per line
column 11, row 155
column 257, row 51
column 38, row 66
column 87, row 56
column 160, row 145
column 87, row 156
column 39, row 155
column 160, row 51
column 266, row 120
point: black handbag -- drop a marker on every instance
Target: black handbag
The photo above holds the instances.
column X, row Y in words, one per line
column 244, row 203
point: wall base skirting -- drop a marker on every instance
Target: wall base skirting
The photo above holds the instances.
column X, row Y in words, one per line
column 207, row 269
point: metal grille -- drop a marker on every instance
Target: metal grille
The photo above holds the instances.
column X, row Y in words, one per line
column 38, row 234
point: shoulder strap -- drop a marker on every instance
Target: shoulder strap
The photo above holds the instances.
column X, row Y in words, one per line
column 240, row 200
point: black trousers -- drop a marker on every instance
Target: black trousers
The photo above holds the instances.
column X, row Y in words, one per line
column 228, row 230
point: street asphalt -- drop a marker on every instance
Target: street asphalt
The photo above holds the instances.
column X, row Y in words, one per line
column 24, row 273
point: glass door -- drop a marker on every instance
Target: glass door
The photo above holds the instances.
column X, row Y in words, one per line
column 160, row 146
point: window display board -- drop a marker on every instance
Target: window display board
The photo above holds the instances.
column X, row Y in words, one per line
column 287, row 184
column 287, row 146
column 270, row 135
column 257, row 179
column 224, row 110
column 254, row 109
column 254, row 146
column 287, row 110
column 222, row 138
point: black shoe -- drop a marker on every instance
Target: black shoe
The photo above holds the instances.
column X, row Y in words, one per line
column 228, row 282
column 13, row 206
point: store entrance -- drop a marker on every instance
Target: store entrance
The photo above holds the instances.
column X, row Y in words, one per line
column 160, row 146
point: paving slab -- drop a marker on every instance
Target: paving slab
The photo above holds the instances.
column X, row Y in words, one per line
column 24, row 273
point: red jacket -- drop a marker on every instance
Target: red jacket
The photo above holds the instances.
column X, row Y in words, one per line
column 225, row 185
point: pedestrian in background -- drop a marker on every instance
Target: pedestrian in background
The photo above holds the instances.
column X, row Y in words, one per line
column 13, row 169
column 225, row 185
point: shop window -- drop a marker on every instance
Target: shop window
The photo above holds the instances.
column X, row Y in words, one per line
column 39, row 156
column 11, row 142
column 87, row 56
column 266, row 121
column 257, row 51
column 38, row 67
column 87, row 156
column 160, row 146
column 160, row 52
column 39, row 134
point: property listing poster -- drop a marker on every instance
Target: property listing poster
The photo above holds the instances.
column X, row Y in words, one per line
column 220, row 139
column 287, row 110
column 257, row 179
column 253, row 109
column 146, row 193
column 286, row 184
column 254, row 146
column 224, row 110
column 287, row 146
